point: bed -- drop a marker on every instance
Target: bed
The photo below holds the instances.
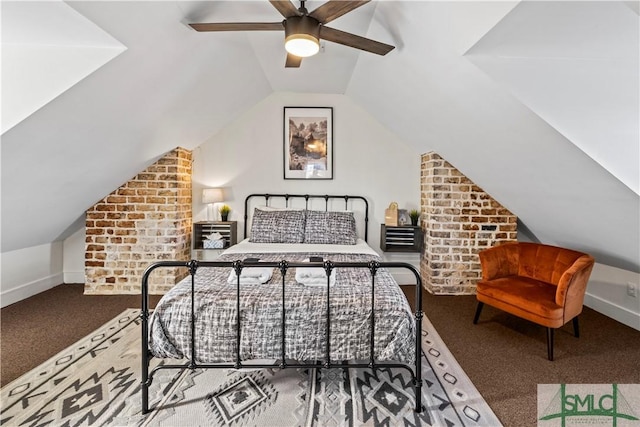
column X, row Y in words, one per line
column 310, row 292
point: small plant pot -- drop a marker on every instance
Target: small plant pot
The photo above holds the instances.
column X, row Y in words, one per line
column 224, row 217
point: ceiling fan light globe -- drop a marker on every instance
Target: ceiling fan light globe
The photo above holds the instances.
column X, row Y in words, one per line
column 302, row 45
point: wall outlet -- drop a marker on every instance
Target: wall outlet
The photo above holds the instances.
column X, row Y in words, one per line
column 632, row 289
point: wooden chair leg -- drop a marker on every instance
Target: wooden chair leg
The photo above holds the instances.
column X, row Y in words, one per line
column 478, row 310
column 576, row 327
column 550, row 343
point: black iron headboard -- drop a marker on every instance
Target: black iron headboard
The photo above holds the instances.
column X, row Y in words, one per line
column 306, row 198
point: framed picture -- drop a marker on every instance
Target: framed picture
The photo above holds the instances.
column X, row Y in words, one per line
column 403, row 217
column 308, row 143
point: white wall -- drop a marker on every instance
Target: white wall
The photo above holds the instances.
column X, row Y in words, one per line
column 28, row 271
column 247, row 157
column 607, row 293
column 73, row 258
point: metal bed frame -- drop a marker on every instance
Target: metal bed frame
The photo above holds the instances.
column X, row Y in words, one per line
column 283, row 266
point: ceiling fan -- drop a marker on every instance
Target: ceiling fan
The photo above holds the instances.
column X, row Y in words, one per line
column 303, row 29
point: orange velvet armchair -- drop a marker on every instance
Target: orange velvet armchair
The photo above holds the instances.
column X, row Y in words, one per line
column 541, row 283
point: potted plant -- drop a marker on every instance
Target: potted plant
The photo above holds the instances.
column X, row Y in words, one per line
column 224, row 212
column 414, row 214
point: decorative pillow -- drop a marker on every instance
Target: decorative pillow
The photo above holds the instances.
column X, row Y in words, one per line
column 332, row 228
column 279, row 226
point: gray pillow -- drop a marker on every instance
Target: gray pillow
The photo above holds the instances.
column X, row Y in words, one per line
column 332, row 228
column 279, row 226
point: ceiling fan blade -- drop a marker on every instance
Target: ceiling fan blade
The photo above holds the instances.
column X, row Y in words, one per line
column 334, row 9
column 285, row 7
column 351, row 40
column 292, row 61
column 238, row 26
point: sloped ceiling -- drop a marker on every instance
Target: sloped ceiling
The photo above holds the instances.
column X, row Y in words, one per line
column 46, row 49
column 474, row 119
column 479, row 82
column 574, row 70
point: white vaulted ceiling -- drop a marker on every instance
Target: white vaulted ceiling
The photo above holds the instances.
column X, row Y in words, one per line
column 537, row 102
column 578, row 68
column 46, row 49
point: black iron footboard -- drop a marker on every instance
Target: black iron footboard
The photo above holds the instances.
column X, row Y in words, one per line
column 283, row 266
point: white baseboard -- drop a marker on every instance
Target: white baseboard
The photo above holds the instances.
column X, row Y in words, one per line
column 609, row 309
column 74, row 277
column 29, row 289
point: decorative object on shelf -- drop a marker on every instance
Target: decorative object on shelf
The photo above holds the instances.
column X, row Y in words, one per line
column 391, row 214
column 210, row 196
column 415, row 216
column 403, row 217
column 224, row 212
column 308, row 143
column 214, row 241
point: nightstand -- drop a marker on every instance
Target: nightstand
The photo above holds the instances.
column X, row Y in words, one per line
column 202, row 229
column 401, row 244
column 403, row 238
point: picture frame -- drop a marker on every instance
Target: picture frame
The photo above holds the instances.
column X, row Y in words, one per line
column 403, row 217
column 308, row 143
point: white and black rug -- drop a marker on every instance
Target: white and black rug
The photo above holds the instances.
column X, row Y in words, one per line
column 97, row 382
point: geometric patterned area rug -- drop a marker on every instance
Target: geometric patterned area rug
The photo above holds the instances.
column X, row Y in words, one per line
column 97, row 382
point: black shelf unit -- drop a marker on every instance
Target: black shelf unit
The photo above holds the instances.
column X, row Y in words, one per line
column 402, row 238
column 228, row 230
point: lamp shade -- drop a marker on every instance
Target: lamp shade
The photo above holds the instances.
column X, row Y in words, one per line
column 212, row 195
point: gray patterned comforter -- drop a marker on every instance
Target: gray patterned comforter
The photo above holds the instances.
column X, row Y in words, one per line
column 261, row 316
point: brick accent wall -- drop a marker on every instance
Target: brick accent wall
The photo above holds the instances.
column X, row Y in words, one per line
column 147, row 219
column 459, row 219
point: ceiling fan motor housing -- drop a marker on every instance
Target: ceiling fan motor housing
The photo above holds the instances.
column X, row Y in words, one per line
column 302, row 29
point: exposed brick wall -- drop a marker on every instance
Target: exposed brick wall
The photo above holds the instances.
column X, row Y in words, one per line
column 459, row 219
column 147, row 219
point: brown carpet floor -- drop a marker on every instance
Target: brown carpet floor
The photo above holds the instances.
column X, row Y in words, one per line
column 504, row 356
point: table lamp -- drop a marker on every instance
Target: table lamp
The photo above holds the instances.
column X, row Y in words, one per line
column 210, row 196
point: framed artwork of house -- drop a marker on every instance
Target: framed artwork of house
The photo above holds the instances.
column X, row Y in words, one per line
column 308, row 143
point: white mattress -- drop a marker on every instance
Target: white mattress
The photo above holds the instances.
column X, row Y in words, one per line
column 245, row 246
